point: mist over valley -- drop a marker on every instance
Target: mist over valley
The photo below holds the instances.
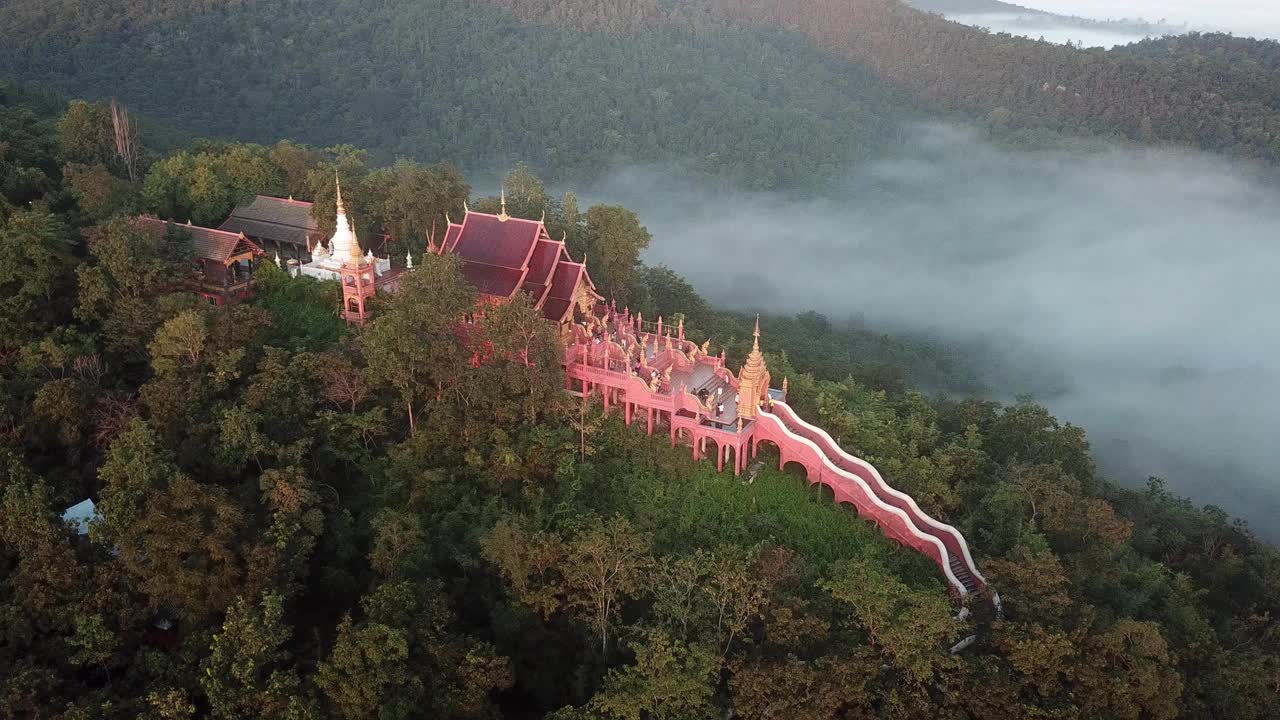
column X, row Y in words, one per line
column 1131, row 290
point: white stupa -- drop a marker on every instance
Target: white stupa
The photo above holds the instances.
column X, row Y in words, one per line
column 326, row 263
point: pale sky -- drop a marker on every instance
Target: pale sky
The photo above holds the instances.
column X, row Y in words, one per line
column 1259, row 18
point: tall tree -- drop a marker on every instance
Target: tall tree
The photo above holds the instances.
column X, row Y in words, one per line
column 614, row 240
column 413, row 344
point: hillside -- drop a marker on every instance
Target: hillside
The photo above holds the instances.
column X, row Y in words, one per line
column 463, row 81
column 768, row 94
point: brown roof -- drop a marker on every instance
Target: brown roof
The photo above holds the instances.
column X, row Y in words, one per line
column 207, row 243
column 272, row 218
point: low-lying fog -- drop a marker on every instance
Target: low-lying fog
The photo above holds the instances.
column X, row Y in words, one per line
column 1134, row 292
column 1056, row 31
column 1249, row 18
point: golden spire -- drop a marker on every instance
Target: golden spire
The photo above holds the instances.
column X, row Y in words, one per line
column 753, row 378
column 337, row 184
column 356, row 255
column 502, row 214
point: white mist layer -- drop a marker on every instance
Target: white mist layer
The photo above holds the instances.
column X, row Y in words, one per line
column 1133, row 292
column 1041, row 26
column 1248, row 18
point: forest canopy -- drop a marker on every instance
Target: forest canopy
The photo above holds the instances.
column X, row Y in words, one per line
column 274, row 536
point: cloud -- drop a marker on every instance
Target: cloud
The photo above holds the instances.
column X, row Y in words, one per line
column 1132, row 291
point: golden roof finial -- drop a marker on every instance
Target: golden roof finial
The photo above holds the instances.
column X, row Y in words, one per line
column 356, row 255
column 447, row 221
column 544, row 216
column 755, row 341
column 465, row 210
column 502, row 214
column 337, row 184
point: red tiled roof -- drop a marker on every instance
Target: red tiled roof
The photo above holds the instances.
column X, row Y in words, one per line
column 490, row 280
column 451, row 237
column 556, row 309
column 541, row 265
column 207, row 243
column 489, row 240
column 502, row 255
column 273, row 218
column 565, row 280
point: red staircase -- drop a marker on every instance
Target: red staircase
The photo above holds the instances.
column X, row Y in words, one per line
column 856, row 482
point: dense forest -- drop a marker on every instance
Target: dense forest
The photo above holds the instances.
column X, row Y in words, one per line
column 273, row 541
column 767, row 94
column 458, row 80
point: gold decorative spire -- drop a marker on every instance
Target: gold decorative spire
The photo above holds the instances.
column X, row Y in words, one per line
column 337, row 184
column 356, row 256
column 753, row 378
column 502, row 214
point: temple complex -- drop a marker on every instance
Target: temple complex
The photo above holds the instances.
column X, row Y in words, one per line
column 650, row 371
column 656, row 375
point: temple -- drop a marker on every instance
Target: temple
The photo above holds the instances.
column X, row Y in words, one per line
column 502, row 255
column 657, row 376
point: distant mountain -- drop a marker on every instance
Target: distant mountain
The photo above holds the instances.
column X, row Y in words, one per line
column 765, row 93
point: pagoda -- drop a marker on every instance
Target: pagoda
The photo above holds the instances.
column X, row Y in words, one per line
column 361, row 274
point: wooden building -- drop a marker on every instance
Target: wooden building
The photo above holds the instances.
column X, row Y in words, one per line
column 283, row 225
column 223, row 262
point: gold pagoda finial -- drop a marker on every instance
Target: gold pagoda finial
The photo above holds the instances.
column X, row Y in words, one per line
column 356, row 255
column 502, row 214
column 755, row 341
column 337, row 184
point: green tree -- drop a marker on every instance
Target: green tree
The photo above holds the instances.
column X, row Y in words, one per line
column 911, row 628
column 412, row 345
column 669, row 681
column 614, row 240
column 248, row 671
column 35, row 265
